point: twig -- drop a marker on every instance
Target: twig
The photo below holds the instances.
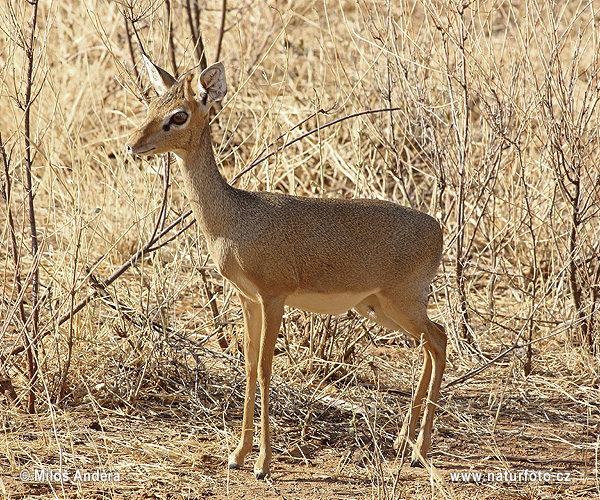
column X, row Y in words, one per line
column 117, row 274
column 214, row 310
column 162, row 213
column 287, row 133
column 172, row 337
column 221, row 29
column 67, row 365
column 32, row 345
column 130, row 47
column 303, row 136
column 473, row 373
column 194, row 22
column 170, row 40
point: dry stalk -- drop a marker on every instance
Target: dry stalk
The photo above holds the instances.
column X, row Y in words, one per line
column 31, row 337
column 193, row 15
column 171, row 38
column 130, row 47
column 221, row 29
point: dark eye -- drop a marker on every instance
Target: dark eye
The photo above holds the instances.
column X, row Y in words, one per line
column 179, row 118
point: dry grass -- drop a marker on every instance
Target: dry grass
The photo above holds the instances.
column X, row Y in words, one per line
column 496, row 135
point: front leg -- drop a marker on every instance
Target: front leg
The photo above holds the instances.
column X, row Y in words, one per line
column 272, row 311
column 253, row 326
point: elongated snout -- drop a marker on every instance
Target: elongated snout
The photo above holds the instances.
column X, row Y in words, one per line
column 140, row 143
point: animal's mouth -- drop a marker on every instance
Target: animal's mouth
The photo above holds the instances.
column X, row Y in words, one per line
column 138, row 151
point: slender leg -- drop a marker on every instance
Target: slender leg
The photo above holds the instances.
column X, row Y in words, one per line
column 436, row 344
column 253, row 322
column 412, row 316
column 412, row 416
column 272, row 312
column 371, row 308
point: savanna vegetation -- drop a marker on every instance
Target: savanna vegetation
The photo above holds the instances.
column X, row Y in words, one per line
column 119, row 341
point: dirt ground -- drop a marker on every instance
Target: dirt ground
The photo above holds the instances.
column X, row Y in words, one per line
column 535, row 442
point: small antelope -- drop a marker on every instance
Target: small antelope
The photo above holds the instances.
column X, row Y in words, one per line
column 319, row 255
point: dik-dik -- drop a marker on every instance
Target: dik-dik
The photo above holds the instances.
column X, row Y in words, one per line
column 319, row 255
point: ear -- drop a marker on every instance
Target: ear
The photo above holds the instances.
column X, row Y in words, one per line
column 211, row 83
column 159, row 78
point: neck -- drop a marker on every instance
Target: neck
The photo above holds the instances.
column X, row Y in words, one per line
column 210, row 195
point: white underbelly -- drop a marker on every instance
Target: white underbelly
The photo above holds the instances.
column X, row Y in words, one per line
column 326, row 303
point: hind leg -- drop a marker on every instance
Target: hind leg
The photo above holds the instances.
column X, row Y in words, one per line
column 412, row 317
column 370, row 307
column 437, row 351
column 407, row 432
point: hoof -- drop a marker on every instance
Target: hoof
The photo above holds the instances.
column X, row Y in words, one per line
column 233, row 465
column 261, row 475
column 416, row 463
